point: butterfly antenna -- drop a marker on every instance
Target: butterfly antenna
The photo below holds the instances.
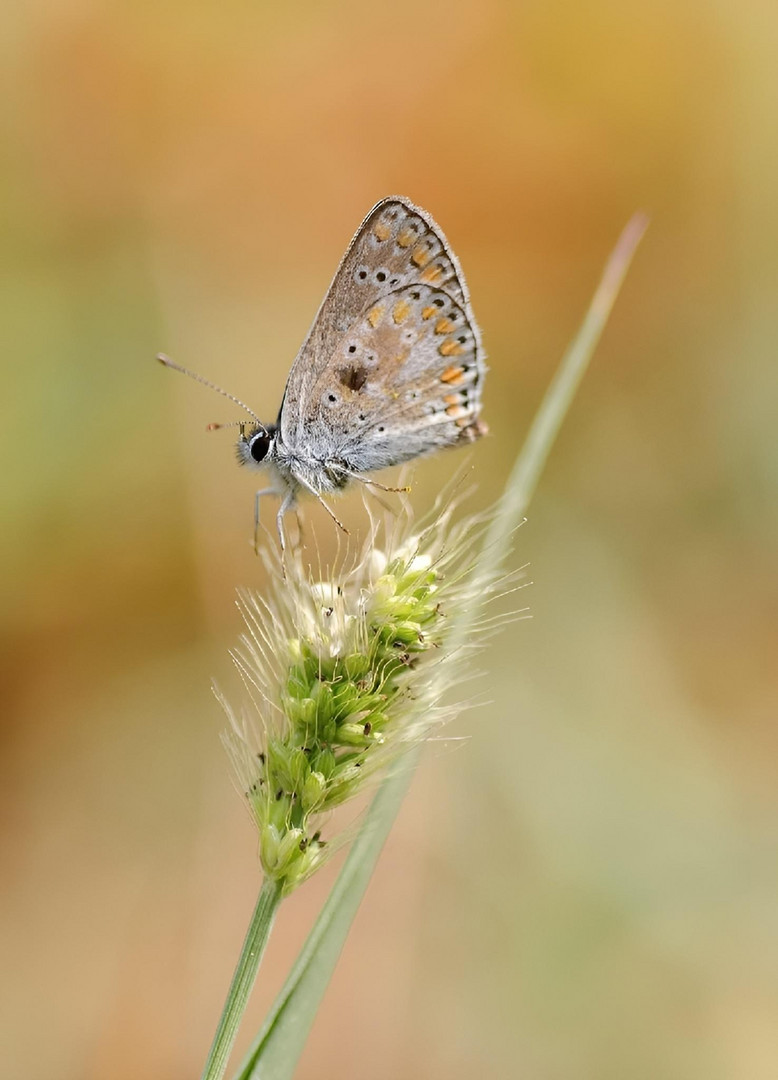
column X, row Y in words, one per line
column 198, row 378
column 232, row 423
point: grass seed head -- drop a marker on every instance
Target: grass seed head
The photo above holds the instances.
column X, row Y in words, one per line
column 345, row 672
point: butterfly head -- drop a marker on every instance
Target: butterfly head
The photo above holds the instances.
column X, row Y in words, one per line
column 256, row 444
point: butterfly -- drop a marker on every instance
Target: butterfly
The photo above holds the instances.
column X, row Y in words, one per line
column 392, row 367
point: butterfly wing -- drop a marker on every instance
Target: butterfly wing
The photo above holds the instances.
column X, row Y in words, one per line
column 392, row 366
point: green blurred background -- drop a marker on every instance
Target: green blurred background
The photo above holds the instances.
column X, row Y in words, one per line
column 588, row 888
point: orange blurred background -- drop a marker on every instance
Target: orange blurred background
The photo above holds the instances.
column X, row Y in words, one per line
column 588, row 888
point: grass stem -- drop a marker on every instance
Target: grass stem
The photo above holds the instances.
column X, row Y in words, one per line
column 243, row 979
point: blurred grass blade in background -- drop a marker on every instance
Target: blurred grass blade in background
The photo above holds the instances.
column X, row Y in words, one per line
column 278, row 1046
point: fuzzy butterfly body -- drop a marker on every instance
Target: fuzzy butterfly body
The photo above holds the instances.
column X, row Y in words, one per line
column 391, row 369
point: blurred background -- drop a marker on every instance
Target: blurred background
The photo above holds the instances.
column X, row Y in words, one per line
column 588, row 888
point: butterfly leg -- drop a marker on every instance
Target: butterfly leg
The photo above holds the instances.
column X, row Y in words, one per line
column 374, row 483
column 257, row 497
column 286, row 504
column 316, row 495
column 300, row 531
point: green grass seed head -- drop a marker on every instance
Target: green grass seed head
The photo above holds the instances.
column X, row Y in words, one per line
column 344, row 674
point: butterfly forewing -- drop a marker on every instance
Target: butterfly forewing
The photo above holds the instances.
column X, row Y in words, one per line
column 393, row 363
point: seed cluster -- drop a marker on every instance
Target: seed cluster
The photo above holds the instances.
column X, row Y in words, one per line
column 345, row 693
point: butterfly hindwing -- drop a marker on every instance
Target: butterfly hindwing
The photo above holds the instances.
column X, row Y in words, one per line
column 405, row 380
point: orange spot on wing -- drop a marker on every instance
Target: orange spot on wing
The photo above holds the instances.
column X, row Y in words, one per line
column 432, row 274
column 457, row 412
column 420, row 256
column 453, row 375
column 450, row 347
column 381, row 230
column 401, row 309
column 444, row 326
column 428, row 312
column 452, row 399
column 406, row 237
column 375, row 315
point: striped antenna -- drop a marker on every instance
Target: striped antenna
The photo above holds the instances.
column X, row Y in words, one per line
column 232, row 423
column 198, row 378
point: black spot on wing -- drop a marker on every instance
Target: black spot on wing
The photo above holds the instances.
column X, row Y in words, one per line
column 354, row 377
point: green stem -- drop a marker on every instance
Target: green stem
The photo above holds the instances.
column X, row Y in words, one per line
column 243, row 979
column 269, row 1053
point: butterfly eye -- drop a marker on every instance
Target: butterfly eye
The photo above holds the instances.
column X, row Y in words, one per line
column 259, row 447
